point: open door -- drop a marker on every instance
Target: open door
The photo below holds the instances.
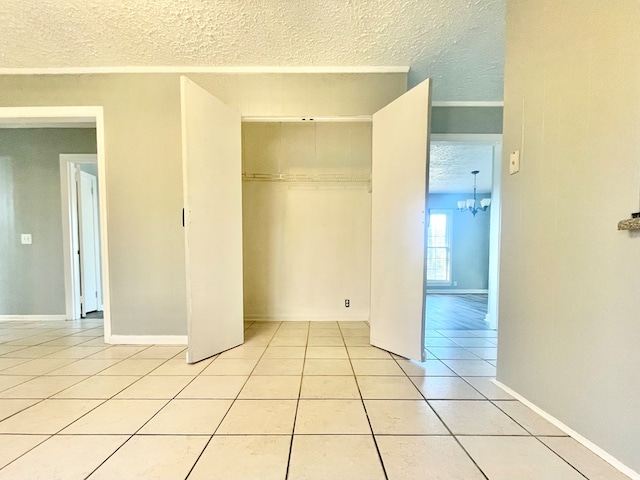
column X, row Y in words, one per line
column 89, row 234
column 212, row 184
column 400, row 169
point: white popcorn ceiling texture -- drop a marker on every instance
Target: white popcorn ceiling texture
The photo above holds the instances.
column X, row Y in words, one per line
column 450, row 167
column 458, row 43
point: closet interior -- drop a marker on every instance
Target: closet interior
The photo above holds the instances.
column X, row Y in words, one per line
column 306, row 217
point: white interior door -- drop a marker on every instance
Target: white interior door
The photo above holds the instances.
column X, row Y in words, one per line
column 89, row 235
column 400, row 169
column 212, row 181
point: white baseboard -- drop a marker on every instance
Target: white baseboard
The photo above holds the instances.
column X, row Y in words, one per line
column 147, row 340
column 614, row 462
column 459, row 291
column 32, row 317
column 284, row 318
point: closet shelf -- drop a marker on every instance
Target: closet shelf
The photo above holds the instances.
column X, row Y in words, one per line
column 307, row 178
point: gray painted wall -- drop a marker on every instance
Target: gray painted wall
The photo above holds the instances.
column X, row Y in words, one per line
column 144, row 164
column 32, row 276
column 570, row 282
column 469, row 243
column 480, row 120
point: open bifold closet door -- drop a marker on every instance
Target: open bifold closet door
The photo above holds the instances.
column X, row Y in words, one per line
column 399, row 182
column 212, row 183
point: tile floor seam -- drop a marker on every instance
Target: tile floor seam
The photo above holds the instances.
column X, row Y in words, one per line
column 108, row 457
column 295, row 415
column 29, row 450
column 446, row 426
column 373, row 436
column 561, row 457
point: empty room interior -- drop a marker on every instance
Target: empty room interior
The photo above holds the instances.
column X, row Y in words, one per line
column 352, row 240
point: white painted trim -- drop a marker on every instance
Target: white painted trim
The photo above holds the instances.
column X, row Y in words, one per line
column 4, row 318
column 467, row 104
column 286, row 318
column 104, row 237
column 312, row 119
column 196, row 69
column 460, row 291
column 78, row 115
column 607, row 457
column 26, row 115
column 148, row 340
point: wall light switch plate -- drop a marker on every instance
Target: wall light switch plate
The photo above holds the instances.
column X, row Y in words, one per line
column 514, row 162
column 25, row 238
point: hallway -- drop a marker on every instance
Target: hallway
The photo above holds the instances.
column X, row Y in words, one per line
column 298, row 401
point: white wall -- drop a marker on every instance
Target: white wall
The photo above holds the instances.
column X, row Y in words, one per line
column 570, row 282
column 306, row 250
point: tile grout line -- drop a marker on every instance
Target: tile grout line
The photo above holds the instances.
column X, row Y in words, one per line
column 492, row 401
column 443, row 422
column 373, row 436
column 233, row 400
column 91, row 410
column 155, row 414
column 295, row 416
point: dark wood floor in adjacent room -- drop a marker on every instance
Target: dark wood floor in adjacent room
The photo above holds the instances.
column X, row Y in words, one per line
column 456, row 312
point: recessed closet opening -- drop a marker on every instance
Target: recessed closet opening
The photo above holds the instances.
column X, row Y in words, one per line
column 306, row 218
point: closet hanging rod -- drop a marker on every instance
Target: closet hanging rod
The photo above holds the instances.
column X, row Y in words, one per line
column 304, row 178
column 309, row 119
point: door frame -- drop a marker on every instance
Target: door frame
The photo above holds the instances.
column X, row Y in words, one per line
column 70, row 224
column 33, row 117
column 494, row 140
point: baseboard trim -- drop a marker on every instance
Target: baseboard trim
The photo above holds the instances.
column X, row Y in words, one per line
column 147, row 340
column 260, row 318
column 32, row 317
column 607, row 457
column 456, row 290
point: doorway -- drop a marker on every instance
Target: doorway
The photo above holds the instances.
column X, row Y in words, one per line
column 81, row 220
column 463, row 247
column 82, row 117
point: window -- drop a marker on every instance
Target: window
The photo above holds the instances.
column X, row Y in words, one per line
column 439, row 247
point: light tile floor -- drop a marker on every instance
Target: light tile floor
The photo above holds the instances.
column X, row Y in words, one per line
column 297, row 401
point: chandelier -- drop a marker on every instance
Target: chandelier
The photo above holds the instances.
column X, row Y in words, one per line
column 471, row 204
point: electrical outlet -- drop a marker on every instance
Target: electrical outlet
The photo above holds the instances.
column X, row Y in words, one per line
column 25, row 239
column 347, row 303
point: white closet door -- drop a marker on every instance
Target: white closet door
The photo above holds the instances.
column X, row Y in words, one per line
column 400, row 168
column 212, row 178
column 89, row 251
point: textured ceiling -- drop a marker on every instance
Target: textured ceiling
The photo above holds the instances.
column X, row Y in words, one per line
column 450, row 167
column 458, row 43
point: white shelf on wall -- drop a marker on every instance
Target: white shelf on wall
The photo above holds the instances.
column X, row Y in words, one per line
column 308, row 177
